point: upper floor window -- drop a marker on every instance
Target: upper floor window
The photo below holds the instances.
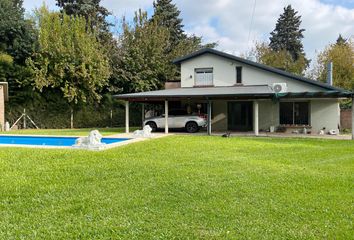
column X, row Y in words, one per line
column 238, row 75
column 203, row 76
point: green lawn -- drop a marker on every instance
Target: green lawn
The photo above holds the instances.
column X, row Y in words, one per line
column 181, row 187
column 68, row 132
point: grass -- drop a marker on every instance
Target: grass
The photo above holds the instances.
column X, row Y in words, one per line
column 181, row 187
column 68, row 132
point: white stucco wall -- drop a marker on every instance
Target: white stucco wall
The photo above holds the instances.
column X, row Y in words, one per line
column 325, row 113
column 224, row 71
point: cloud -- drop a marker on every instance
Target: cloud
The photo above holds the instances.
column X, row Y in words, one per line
column 228, row 22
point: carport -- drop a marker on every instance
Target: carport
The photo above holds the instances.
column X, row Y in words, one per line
column 250, row 93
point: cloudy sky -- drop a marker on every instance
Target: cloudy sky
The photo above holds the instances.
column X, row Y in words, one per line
column 229, row 22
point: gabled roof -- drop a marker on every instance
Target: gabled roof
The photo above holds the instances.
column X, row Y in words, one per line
column 258, row 65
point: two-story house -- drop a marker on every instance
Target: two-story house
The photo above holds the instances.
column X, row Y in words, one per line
column 242, row 95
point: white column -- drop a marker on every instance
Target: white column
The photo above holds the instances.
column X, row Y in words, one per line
column 209, row 118
column 255, row 118
column 127, row 117
column 353, row 118
column 142, row 114
column 166, row 117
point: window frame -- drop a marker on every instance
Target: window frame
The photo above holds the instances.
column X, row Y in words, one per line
column 237, row 74
column 204, row 71
column 293, row 112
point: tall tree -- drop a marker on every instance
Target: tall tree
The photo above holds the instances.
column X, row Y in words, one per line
column 166, row 14
column 18, row 40
column 287, row 34
column 285, row 49
column 341, row 54
column 17, row 34
column 96, row 16
column 70, row 58
column 93, row 12
column 142, row 62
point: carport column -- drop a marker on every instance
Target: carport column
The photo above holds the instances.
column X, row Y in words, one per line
column 352, row 117
column 255, row 116
column 209, row 117
column 126, row 116
column 166, row 116
column 142, row 114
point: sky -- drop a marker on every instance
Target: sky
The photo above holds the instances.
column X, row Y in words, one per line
column 230, row 24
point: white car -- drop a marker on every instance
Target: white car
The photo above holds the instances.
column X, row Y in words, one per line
column 177, row 119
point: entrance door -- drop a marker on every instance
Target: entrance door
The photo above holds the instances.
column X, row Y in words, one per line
column 240, row 116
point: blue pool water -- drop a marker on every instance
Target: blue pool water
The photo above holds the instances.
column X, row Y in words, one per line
column 50, row 141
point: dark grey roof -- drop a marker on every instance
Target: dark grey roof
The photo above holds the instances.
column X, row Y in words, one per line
column 258, row 65
column 202, row 92
column 254, row 91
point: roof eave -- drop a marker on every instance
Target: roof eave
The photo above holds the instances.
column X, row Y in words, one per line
column 258, row 65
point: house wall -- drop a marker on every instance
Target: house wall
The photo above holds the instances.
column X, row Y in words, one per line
column 2, row 108
column 323, row 113
column 224, row 74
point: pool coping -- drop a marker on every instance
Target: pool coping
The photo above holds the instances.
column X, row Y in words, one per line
column 107, row 146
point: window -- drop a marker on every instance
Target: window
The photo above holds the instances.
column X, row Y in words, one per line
column 203, row 76
column 294, row 113
column 178, row 112
column 238, row 75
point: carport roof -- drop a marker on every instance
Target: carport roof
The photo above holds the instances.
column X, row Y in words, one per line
column 203, row 92
column 253, row 91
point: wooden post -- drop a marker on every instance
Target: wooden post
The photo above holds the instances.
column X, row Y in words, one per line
column 209, row 118
column 255, row 117
column 142, row 114
column 126, row 116
column 352, row 117
column 166, row 117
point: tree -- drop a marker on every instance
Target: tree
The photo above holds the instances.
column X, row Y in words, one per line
column 17, row 35
column 70, row 58
column 285, row 49
column 91, row 10
column 97, row 15
column 142, row 62
column 166, row 14
column 287, row 34
column 18, row 40
column 341, row 54
column 281, row 59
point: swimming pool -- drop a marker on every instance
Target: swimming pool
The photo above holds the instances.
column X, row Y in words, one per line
column 50, row 141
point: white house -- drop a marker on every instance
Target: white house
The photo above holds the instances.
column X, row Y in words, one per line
column 241, row 95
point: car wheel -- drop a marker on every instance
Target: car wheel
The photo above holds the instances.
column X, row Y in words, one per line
column 192, row 127
column 152, row 125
